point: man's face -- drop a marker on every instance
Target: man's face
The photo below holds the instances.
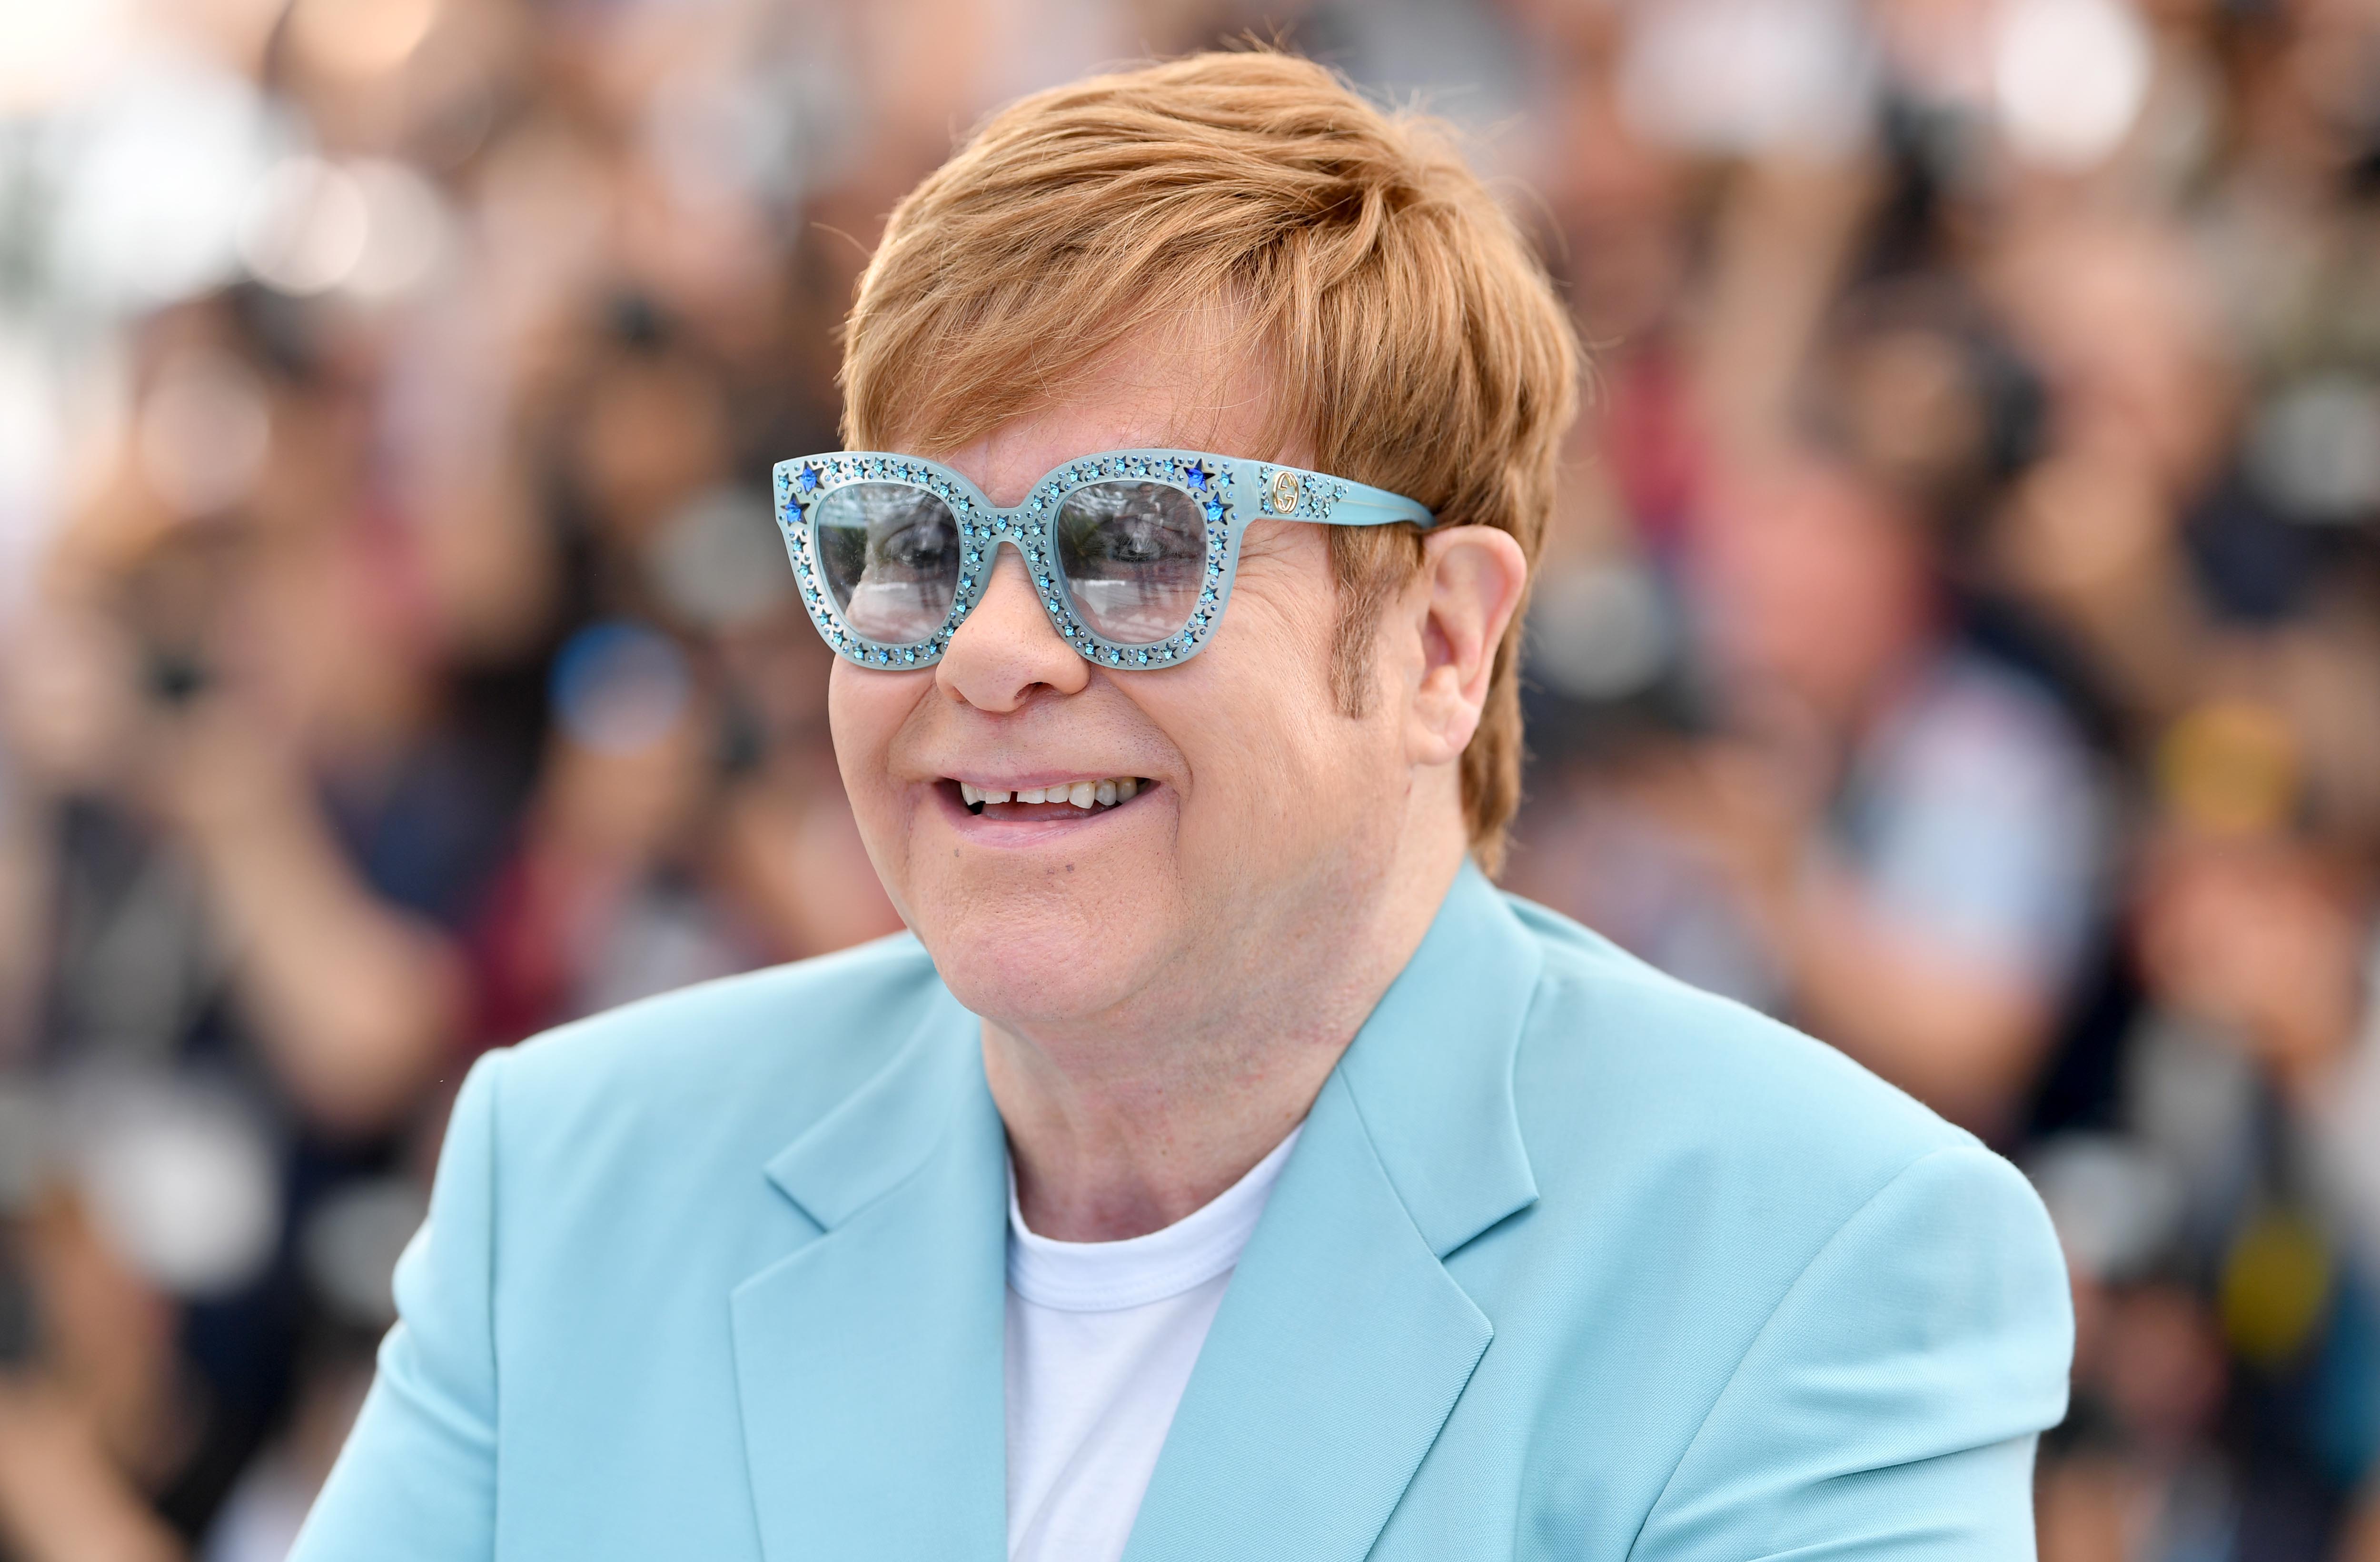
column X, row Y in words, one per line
column 1811, row 587
column 1261, row 810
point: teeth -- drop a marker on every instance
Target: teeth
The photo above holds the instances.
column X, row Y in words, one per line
column 1104, row 793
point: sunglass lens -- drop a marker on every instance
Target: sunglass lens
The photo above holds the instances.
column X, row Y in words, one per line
column 1134, row 555
column 889, row 551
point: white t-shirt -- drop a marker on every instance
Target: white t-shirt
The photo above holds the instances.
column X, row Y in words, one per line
column 1101, row 1339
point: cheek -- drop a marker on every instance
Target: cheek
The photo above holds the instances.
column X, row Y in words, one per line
column 855, row 711
column 866, row 713
column 1279, row 769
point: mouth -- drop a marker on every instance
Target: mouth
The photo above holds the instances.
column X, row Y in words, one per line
column 1085, row 797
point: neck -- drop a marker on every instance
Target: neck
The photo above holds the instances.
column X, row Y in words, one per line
column 1126, row 1123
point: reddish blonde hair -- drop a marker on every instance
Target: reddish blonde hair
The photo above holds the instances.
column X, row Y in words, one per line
column 1417, row 344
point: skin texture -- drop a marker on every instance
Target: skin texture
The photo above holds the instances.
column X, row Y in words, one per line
column 1166, row 985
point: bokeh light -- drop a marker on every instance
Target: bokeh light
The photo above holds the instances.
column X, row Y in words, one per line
column 2069, row 78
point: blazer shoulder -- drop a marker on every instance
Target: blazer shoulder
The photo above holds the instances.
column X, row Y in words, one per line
column 1681, row 1072
column 777, row 1048
column 1787, row 1210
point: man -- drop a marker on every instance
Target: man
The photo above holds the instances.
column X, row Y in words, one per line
column 1222, row 1168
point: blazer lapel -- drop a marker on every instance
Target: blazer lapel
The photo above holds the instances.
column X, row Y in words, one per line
column 1343, row 1343
column 868, row 1359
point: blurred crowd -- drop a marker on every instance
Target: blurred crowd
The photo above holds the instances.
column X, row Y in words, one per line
column 1961, row 636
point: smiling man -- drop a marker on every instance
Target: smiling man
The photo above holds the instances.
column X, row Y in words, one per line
column 1220, row 1168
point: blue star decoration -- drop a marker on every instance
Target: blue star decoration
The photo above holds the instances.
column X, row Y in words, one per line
column 1197, row 476
column 1214, row 509
column 806, row 480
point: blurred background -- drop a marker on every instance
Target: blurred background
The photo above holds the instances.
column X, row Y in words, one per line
column 1961, row 634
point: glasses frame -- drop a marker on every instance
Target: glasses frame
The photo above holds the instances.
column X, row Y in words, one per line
column 1229, row 491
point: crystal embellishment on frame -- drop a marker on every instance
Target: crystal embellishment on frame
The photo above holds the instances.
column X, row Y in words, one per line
column 1210, row 481
column 981, row 533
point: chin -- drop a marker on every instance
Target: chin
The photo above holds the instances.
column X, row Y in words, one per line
column 1045, row 917
column 1049, row 978
column 1035, row 942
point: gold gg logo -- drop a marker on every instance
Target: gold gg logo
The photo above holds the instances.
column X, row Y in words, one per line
column 1284, row 493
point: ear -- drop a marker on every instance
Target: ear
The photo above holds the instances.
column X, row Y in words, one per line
column 1462, row 602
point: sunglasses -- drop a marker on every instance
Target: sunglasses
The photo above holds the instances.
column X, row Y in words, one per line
column 1131, row 552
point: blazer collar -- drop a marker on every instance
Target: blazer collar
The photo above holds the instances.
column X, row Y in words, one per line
column 870, row 1360
column 1343, row 1343
column 1431, row 1071
column 887, row 1127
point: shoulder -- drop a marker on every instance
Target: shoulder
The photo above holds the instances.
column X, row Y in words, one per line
column 1704, row 1114
column 1688, row 1066
column 739, row 1065
column 1760, row 1186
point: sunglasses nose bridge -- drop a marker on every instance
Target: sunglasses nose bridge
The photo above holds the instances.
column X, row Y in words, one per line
column 1028, row 618
column 982, row 566
column 982, row 556
column 980, row 553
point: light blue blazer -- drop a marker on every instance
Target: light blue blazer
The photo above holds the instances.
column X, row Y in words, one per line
column 1571, row 1261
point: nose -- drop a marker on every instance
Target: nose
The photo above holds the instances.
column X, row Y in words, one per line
column 1006, row 648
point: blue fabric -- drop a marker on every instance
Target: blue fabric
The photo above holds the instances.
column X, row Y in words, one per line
column 1571, row 1261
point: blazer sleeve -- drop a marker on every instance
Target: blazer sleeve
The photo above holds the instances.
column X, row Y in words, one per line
column 417, row 1477
column 1886, row 1411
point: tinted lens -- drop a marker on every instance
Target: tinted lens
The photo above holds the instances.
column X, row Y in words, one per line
column 889, row 551
column 1133, row 555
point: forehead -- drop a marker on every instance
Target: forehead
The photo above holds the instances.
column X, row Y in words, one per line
column 1178, row 387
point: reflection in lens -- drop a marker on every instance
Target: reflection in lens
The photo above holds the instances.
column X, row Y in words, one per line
column 889, row 551
column 1133, row 555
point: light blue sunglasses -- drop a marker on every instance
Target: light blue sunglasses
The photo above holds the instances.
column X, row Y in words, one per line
column 1131, row 552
